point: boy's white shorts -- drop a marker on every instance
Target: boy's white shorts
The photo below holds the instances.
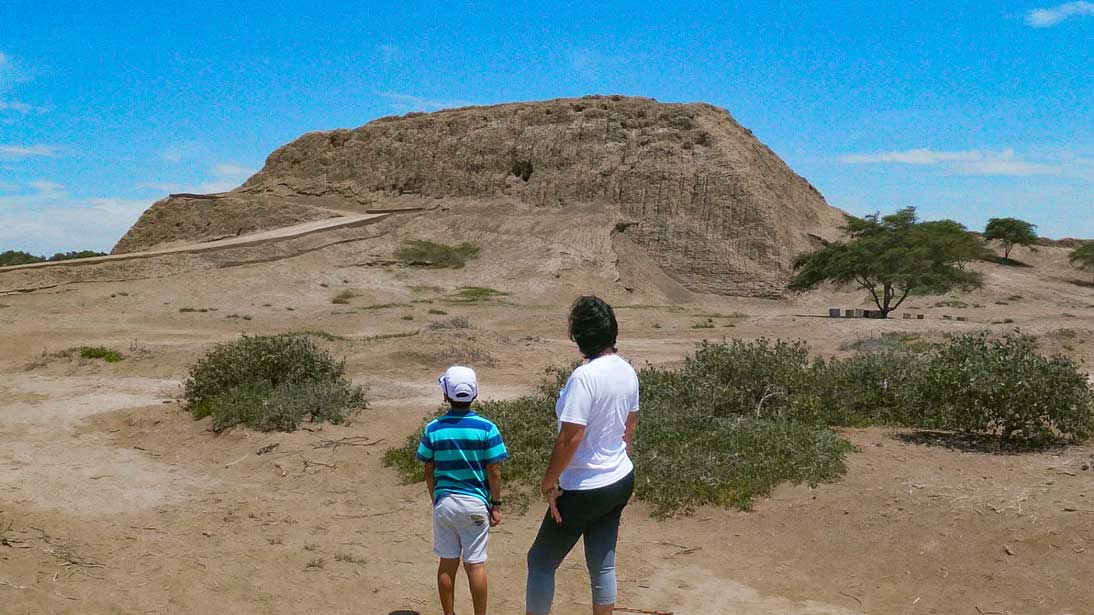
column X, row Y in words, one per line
column 461, row 527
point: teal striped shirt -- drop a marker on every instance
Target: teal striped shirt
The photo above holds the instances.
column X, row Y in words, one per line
column 461, row 444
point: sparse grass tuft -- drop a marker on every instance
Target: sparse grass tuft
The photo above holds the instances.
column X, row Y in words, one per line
column 189, row 310
column 389, row 336
column 350, row 558
column 474, row 294
column 455, row 322
column 407, row 317
column 343, row 298
column 239, row 316
column 315, row 563
column 890, row 341
column 434, row 311
column 99, row 352
column 952, row 303
column 703, row 324
column 465, row 355
column 381, row 306
column 424, row 253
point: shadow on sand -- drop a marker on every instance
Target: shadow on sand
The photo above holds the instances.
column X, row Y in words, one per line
column 973, row 443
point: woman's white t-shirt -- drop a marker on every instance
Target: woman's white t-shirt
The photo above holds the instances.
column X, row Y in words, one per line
column 599, row 395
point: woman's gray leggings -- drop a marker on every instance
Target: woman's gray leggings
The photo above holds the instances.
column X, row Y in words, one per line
column 594, row 514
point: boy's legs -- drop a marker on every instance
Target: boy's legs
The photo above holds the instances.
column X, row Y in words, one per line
column 446, row 583
column 476, row 581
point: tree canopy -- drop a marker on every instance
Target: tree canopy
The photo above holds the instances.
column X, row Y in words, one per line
column 1082, row 257
column 1010, row 232
column 18, row 257
column 893, row 257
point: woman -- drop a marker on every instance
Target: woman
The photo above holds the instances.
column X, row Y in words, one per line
column 590, row 477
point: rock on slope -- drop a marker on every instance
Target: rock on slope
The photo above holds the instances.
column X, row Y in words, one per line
column 705, row 200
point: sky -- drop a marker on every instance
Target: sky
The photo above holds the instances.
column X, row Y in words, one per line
column 965, row 110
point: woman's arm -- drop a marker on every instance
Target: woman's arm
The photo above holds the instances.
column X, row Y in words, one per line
column 569, row 438
column 628, row 434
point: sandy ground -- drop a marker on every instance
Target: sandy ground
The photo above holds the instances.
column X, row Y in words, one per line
column 113, row 500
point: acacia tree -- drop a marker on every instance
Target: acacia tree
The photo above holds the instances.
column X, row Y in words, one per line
column 1010, row 232
column 893, row 257
column 1082, row 257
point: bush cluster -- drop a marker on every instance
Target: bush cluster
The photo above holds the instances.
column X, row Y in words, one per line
column 269, row 383
column 739, row 417
column 973, row 383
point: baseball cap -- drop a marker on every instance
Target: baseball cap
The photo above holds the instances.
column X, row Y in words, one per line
column 460, row 383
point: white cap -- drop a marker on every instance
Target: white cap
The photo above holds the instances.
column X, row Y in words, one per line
column 459, row 383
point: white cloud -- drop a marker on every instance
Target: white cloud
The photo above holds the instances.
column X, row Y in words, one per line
column 389, row 53
column 911, row 156
column 974, row 162
column 225, row 177
column 405, row 103
column 46, row 222
column 161, row 187
column 1046, row 17
column 178, row 152
column 232, row 171
column 14, row 151
column 19, row 107
column 47, row 188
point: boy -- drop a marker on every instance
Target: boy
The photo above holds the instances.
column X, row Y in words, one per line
column 462, row 452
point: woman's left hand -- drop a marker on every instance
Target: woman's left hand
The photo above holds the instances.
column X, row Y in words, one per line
column 552, row 503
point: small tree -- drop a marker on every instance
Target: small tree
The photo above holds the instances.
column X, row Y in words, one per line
column 1082, row 257
column 894, row 256
column 1010, row 232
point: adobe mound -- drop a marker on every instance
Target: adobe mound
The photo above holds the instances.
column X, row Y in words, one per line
column 710, row 205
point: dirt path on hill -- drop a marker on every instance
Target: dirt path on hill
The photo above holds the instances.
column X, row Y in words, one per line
column 249, row 240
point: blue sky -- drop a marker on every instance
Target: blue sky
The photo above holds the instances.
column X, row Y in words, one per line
column 967, row 110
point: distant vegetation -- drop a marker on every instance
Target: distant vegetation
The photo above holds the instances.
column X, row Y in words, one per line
column 741, row 417
column 424, row 253
column 1010, row 232
column 895, row 256
column 271, row 383
column 1082, row 258
column 16, row 257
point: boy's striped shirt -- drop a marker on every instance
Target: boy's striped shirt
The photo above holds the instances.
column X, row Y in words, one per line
column 461, row 444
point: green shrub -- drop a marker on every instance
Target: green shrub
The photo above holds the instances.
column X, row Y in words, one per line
column 1003, row 387
column 692, row 461
column 270, row 382
column 734, row 378
column 100, row 352
column 424, row 253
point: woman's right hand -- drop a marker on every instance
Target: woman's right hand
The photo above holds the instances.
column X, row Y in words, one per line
column 552, row 503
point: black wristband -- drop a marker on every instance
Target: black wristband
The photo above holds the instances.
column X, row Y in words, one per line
column 496, row 503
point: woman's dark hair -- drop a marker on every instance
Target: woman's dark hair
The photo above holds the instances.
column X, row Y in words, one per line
column 592, row 326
